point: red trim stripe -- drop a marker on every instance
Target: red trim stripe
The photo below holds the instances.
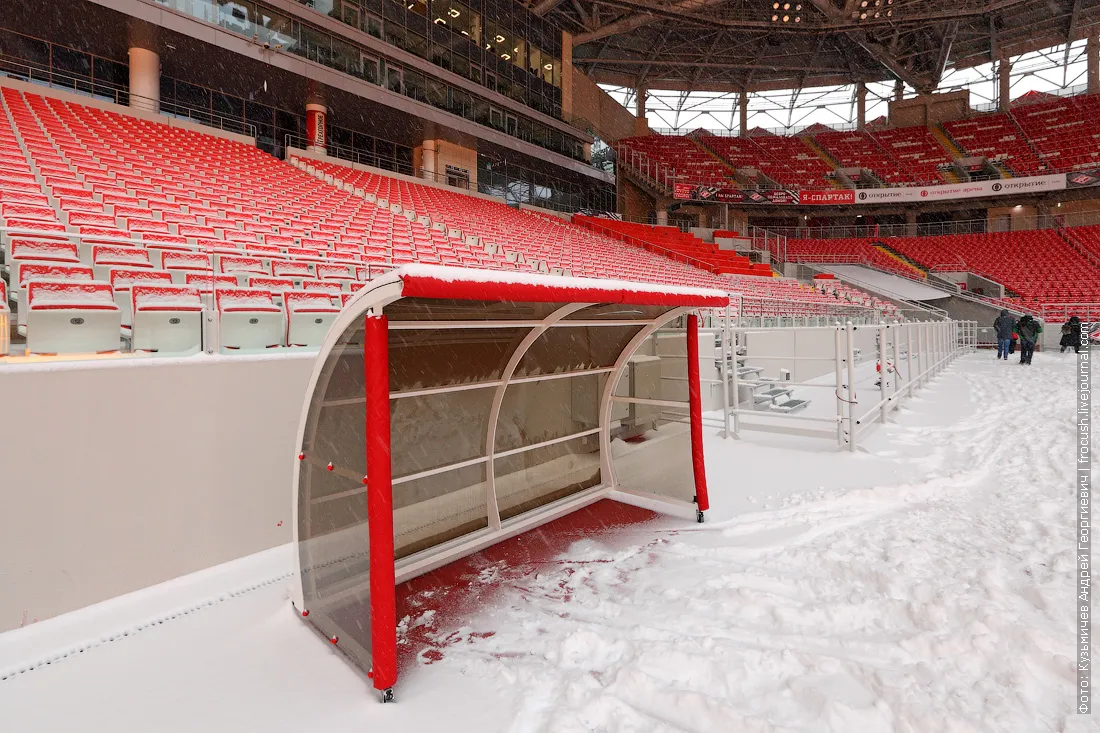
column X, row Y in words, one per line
column 420, row 286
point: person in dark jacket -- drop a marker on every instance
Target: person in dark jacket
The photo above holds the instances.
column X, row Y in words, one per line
column 1003, row 326
column 1028, row 329
column 1071, row 335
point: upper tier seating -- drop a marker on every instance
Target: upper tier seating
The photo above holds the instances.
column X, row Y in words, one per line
column 102, row 190
column 859, row 150
column 690, row 163
column 792, row 163
column 996, row 137
column 917, row 151
column 1065, row 132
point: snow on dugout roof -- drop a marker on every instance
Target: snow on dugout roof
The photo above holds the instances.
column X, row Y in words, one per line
column 484, row 400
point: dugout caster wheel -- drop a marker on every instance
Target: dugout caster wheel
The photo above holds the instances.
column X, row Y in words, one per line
column 387, row 694
column 698, row 516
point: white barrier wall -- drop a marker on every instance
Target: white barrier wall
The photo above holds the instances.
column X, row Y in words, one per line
column 119, row 474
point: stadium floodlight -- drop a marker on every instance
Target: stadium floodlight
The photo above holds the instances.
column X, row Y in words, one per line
column 775, row 18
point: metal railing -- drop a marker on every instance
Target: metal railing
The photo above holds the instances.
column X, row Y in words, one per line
column 661, row 174
column 109, row 92
column 352, row 155
column 907, row 357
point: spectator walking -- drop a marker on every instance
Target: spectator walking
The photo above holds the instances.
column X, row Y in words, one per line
column 1003, row 326
column 1071, row 335
column 1028, row 329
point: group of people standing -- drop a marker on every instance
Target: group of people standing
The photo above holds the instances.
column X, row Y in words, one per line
column 1026, row 331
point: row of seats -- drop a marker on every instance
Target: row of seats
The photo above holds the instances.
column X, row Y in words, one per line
column 676, row 244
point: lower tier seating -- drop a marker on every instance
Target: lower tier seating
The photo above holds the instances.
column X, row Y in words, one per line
column 104, row 206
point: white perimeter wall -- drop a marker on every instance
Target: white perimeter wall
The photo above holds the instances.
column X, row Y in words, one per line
column 116, row 475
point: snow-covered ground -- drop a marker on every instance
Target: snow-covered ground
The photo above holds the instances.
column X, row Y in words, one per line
column 921, row 586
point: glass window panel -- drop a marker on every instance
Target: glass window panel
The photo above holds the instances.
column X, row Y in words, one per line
column 574, row 349
column 436, row 430
column 426, row 358
column 234, row 15
column 537, row 477
column 419, row 7
column 371, row 24
column 370, row 68
column 275, row 29
column 394, row 79
column 438, row 508
column 535, row 412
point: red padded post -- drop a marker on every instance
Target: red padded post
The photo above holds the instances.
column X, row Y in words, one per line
column 695, row 414
column 383, row 604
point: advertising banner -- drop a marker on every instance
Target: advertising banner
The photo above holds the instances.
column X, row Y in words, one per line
column 912, row 194
column 723, row 195
column 831, row 197
column 1082, row 179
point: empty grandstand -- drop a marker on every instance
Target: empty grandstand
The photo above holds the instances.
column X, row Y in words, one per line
column 429, row 317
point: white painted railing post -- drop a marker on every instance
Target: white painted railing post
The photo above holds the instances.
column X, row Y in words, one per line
column 851, row 355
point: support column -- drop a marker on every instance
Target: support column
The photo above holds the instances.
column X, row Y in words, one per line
column 641, row 127
column 144, row 67
column 316, row 138
column 899, row 90
column 861, row 106
column 743, row 110
column 1004, row 85
column 662, row 217
column 1092, row 53
column 428, row 164
column 911, row 223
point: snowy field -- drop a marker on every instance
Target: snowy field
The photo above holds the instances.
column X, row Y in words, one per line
column 921, row 586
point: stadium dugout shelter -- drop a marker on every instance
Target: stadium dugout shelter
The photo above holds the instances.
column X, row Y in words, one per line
column 452, row 409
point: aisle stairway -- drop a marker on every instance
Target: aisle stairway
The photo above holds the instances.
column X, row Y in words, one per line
column 902, row 259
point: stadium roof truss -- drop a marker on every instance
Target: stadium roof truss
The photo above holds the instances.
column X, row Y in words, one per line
column 753, row 45
column 451, row 409
column 1059, row 69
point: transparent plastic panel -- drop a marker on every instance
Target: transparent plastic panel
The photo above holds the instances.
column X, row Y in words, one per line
column 443, row 309
column 650, row 443
column 435, row 430
column 618, row 312
column 570, row 349
column 435, row 509
column 426, row 358
column 332, row 507
column 534, row 478
column 535, row 412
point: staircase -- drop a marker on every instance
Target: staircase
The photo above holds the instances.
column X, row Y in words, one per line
column 698, row 140
column 948, row 144
column 902, row 259
column 810, row 143
column 653, row 187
